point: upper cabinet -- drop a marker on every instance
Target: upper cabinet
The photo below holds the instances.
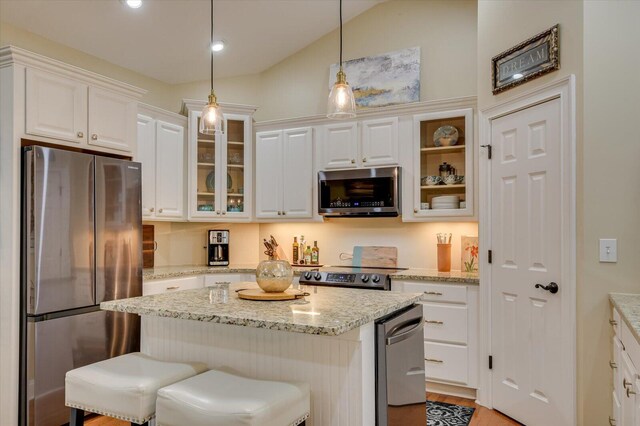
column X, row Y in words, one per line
column 67, row 108
column 162, row 150
column 442, row 155
column 220, row 167
column 284, row 174
column 344, row 147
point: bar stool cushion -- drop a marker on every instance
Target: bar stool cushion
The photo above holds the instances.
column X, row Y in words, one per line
column 124, row 387
column 217, row 398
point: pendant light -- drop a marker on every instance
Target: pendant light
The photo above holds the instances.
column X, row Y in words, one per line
column 211, row 119
column 341, row 103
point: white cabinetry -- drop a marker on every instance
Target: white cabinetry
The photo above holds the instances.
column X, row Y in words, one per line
column 63, row 107
column 161, row 150
column 220, row 167
column 172, row 284
column 626, row 382
column 450, row 333
column 284, row 174
column 378, row 146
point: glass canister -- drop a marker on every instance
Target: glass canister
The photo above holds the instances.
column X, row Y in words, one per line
column 274, row 276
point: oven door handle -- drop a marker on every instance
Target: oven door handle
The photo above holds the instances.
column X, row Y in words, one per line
column 396, row 338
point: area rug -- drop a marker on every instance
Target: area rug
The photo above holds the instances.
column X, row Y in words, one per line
column 443, row 414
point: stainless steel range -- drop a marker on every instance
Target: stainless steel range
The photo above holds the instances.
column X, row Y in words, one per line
column 350, row 276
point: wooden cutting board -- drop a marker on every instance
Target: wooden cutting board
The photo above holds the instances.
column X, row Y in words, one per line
column 375, row 256
column 259, row 294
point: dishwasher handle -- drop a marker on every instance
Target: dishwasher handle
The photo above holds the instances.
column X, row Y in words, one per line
column 396, row 338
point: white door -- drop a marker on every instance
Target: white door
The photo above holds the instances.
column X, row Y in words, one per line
column 297, row 173
column 147, row 156
column 340, row 146
column 269, row 168
column 532, row 379
column 56, row 106
column 169, row 170
column 112, row 120
column 380, row 142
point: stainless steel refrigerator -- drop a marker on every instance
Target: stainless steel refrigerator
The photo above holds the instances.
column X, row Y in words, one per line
column 81, row 245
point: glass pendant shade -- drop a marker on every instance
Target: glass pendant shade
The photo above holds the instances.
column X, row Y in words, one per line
column 342, row 102
column 211, row 119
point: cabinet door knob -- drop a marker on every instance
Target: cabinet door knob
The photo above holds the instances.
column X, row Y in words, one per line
column 415, row 210
column 151, row 209
column 353, row 161
column 613, row 365
column 217, row 211
column 625, row 383
column 612, row 421
column 630, row 392
column 364, row 160
column 159, row 210
column 80, row 134
column 94, row 137
column 284, row 213
column 224, row 212
column 279, row 213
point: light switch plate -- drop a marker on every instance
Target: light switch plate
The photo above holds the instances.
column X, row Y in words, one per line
column 608, row 250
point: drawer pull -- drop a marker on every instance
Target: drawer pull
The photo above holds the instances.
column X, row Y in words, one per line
column 612, row 421
column 625, row 383
column 173, row 287
column 439, row 361
column 433, row 293
column 630, row 392
column 613, row 365
column 613, row 322
column 434, row 322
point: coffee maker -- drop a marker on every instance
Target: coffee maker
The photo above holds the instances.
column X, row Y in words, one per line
column 218, row 248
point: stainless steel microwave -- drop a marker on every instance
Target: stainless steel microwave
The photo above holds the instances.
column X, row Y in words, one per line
column 371, row 192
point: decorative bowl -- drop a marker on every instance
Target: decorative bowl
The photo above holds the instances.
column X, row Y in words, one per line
column 431, row 180
column 445, row 136
column 274, row 276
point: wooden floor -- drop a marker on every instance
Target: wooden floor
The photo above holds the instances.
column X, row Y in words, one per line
column 481, row 417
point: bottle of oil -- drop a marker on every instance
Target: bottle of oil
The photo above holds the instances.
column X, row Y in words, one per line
column 315, row 254
column 307, row 255
column 296, row 250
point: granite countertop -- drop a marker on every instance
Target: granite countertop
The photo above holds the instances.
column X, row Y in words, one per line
column 327, row 311
column 417, row 274
column 414, row 274
column 629, row 307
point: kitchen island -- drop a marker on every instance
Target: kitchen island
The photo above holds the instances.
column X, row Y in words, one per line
column 326, row 340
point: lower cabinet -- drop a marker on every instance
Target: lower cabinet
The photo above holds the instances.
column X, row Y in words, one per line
column 626, row 382
column 172, row 284
column 450, row 331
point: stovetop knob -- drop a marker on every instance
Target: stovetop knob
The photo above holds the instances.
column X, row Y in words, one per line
column 307, row 275
column 317, row 276
column 375, row 278
column 365, row 278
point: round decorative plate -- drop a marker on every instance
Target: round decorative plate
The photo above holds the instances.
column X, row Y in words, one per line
column 211, row 181
column 445, row 136
column 229, row 182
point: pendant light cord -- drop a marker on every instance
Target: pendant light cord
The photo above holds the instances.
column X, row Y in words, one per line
column 340, row 33
column 211, row 45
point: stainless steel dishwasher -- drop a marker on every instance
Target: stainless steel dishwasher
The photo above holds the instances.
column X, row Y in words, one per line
column 400, row 380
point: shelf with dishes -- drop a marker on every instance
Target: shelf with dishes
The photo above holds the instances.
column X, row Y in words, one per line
column 443, row 149
column 439, row 188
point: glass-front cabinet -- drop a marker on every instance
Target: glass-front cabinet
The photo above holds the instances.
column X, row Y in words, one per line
column 220, row 169
column 443, row 164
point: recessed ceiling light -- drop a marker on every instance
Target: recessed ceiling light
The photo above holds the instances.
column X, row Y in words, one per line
column 217, row 45
column 133, row 4
column 517, row 76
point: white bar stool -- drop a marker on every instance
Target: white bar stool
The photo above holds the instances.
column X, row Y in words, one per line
column 123, row 387
column 216, row 398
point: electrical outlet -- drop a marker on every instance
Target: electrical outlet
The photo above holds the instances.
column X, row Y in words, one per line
column 608, row 250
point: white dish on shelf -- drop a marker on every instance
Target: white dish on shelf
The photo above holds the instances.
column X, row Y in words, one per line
column 446, row 198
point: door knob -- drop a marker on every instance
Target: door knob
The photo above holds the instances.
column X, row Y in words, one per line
column 80, row 135
column 353, row 161
column 159, row 210
column 94, row 137
column 151, row 209
column 551, row 288
column 364, row 160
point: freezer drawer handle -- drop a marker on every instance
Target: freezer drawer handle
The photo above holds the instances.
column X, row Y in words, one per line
column 407, row 334
column 434, row 322
column 173, row 287
column 439, row 361
column 433, row 293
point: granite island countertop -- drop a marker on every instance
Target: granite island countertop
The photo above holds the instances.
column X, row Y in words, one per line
column 629, row 307
column 411, row 274
column 326, row 311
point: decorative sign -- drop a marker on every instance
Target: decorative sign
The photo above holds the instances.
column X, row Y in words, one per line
column 526, row 61
column 388, row 79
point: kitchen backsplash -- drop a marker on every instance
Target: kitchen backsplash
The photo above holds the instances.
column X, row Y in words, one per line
column 183, row 243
